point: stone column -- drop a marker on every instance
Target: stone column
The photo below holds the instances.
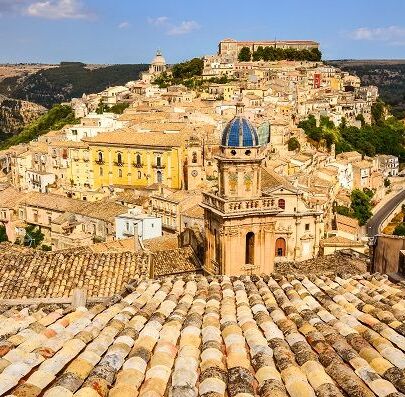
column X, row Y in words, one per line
column 269, row 248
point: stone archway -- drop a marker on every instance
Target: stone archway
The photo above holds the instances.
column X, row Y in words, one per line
column 280, row 247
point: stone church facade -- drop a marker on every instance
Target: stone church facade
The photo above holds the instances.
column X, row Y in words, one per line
column 256, row 217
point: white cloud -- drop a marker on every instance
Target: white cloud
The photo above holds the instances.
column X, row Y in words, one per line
column 394, row 35
column 124, row 25
column 58, row 9
column 172, row 29
column 183, row 28
column 159, row 21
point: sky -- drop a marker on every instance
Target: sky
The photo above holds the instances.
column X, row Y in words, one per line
column 130, row 31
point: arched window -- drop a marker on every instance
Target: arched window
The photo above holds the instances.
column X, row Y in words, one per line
column 138, row 159
column 194, row 157
column 120, row 173
column 159, row 177
column 100, row 157
column 281, row 204
column 250, row 248
column 280, row 247
column 119, row 158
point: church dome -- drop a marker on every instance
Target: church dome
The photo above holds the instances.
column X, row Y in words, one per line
column 239, row 132
column 159, row 59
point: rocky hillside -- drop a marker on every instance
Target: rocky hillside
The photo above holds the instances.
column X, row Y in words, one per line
column 387, row 75
column 69, row 80
column 15, row 114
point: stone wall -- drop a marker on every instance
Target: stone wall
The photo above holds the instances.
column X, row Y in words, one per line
column 386, row 253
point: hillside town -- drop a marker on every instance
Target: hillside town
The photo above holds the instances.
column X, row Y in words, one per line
column 162, row 167
column 188, row 237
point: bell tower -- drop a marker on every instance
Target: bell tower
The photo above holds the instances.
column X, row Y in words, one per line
column 239, row 220
column 194, row 167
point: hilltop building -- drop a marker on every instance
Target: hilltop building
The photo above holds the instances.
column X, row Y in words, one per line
column 229, row 48
column 157, row 66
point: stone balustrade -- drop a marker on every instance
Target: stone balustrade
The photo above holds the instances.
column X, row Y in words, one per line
column 243, row 205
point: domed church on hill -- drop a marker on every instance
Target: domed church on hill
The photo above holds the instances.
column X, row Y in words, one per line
column 256, row 217
column 157, row 66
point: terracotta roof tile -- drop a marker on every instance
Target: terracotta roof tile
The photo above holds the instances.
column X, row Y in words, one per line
column 215, row 336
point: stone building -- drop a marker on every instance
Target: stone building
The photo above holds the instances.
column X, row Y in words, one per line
column 255, row 217
column 230, row 48
column 157, row 66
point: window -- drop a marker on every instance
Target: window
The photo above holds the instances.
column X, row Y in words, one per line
column 281, row 204
column 64, row 154
column 101, row 171
column 100, row 157
column 280, row 247
column 194, row 157
column 158, row 161
column 159, row 177
column 120, row 173
column 139, row 175
column 250, row 248
column 138, row 159
column 119, row 158
column 307, row 226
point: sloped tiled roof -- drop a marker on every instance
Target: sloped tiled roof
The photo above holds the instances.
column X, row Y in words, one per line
column 57, row 274
column 175, row 261
column 216, row 336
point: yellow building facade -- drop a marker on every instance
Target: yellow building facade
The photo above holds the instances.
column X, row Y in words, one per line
column 137, row 159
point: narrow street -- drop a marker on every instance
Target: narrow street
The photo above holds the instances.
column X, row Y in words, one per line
column 376, row 220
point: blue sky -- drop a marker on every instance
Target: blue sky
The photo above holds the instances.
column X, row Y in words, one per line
column 129, row 31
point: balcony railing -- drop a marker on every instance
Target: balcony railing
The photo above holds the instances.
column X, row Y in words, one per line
column 240, row 206
column 158, row 166
column 118, row 163
column 100, row 162
column 137, row 165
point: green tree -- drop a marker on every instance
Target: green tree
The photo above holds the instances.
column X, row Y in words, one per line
column 377, row 111
column 361, row 206
column 118, row 108
column 258, row 54
column 399, row 230
column 54, row 119
column 34, row 236
column 3, row 233
column 343, row 210
column 244, row 55
column 387, row 182
column 102, row 107
column 188, row 69
column 293, row 144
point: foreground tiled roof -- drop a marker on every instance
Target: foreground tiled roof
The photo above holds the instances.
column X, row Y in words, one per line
column 212, row 337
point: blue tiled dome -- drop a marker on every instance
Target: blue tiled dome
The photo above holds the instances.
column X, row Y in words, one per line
column 239, row 132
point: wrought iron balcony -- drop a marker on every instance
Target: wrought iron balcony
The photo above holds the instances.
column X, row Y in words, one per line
column 158, row 166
